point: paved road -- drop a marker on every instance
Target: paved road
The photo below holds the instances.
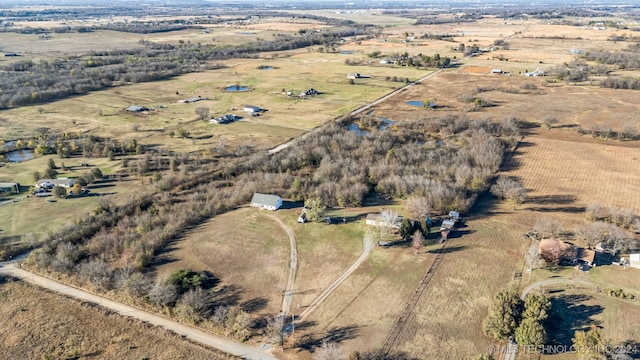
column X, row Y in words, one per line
column 208, row 339
column 366, row 250
column 293, row 265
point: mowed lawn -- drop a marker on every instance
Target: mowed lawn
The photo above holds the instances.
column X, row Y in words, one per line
column 38, row 215
column 246, row 249
column 38, row 324
column 579, row 308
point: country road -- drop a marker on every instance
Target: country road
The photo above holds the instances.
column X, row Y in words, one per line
column 293, row 265
column 202, row 337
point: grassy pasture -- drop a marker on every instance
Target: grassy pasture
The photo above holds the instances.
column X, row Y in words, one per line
column 579, row 308
column 325, row 72
column 361, row 17
column 40, row 324
column 244, row 248
column 37, row 215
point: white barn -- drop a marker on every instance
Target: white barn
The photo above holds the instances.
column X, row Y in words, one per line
column 265, row 201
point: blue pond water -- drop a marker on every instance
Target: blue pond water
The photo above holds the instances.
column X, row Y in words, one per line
column 265, row 67
column 346, row 52
column 386, row 123
column 235, row 88
column 415, row 103
column 19, row 155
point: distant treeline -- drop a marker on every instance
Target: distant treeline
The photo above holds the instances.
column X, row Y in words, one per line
column 624, row 59
column 27, row 82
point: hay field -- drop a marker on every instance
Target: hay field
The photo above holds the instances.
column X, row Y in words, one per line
column 567, row 175
column 38, row 324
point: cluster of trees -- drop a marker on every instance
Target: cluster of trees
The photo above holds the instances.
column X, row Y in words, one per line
column 625, row 218
column 446, row 160
column 27, row 82
column 625, row 59
column 70, row 144
column 509, row 316
column 620, row 82
column 628, row 132
column 510, row 190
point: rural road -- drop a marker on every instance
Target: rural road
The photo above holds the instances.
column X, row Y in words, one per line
column 293, row 265
column 556, row 281
column 366, row 250
column 202, row 337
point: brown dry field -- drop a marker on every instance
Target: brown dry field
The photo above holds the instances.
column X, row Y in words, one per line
column 572, row 105
column 566, row 174
column 253, row 259
column 447, row 320
column 40, row 324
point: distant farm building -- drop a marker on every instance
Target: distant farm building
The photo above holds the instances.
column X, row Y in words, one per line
column 252, row 109
column 11, row 54
column 357, row 76
column 50, row 183
column 12, row 188
column 266, row 201
column 538, row 72
column 376, row 219
column 634, row 260
column 497, row 71
column 309, row 92
column 225, row 119
column 192, row 100
column 136, row 108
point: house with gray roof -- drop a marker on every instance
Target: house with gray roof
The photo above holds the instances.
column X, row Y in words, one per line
column 265, row 201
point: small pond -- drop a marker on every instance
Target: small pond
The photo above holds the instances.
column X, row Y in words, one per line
column 415, row 103
column 19, row 155
column 346, row 52
column 265, row 67
column 386, row 123
column 237, row 88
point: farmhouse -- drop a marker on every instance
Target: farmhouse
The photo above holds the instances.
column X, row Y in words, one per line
column 265, row 201
column 376, row 219
column 50, row 183
column 497, row 71
column 251, row 109
column 225, row 119
column 12, row 188
column 634, row 260
column 136, row 108
column 571, row 253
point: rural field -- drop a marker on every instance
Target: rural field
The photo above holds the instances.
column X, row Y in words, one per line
column 40, row 324
column 394, row 303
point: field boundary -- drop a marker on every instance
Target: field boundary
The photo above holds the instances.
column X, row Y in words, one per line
column 395, row 332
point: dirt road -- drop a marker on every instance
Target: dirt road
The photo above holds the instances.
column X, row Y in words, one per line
column 293, row 265
column 208, row 339
column 366, row 250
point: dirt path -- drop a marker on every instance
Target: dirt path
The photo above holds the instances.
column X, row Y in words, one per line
column 293, row 265
column 208, row 339
column 367, row 246
column 556, row 281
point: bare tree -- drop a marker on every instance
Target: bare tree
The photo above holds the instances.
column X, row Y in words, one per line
column 276, row 330
column 329, row 351
column 194, row 304
column 533, row 258
column 202, row 112
column 549, row 121
column 593, row 233
column 418, row 241
column 163, row 294
column 97, row 272
column 389, row 218
column 419, row 207
column 509, row 189
column 548, row 227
